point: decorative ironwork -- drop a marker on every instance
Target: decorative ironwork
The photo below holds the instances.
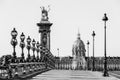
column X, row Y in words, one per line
column 28, row 47
column 33, row 48
column 14, row 43
column 22, row 45
column 38, row 50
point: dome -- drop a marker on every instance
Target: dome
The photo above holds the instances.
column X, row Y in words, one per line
column 78, row 47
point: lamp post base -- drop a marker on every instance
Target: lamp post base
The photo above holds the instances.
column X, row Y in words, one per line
column 93, row 69
column 105, row 74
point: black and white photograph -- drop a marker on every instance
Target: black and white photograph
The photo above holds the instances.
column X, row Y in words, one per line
column 59, row 40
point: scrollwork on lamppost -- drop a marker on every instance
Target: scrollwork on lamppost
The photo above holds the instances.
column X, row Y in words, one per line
column 33, row 48
column 41, row 54
column 28, row 47
column 22, row 45
column 14, row 43
column 38, row 50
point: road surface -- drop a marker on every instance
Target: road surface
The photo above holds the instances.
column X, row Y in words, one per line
column 72, row 75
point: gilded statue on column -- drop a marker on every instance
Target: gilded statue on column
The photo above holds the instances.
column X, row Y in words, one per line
column 45, row 13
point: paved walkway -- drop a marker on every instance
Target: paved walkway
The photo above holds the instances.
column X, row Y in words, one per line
column 72, row 75
column 115, row 73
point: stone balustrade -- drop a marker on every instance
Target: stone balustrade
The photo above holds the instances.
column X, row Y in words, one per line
column 22, row 69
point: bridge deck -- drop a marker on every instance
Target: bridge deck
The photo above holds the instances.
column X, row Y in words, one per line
column 72, row 75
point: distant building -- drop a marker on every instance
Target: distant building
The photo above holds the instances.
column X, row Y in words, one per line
column 77, row 60
column 78, row 54
column 80, row 61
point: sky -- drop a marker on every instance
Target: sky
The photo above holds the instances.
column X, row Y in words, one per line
column 67, row 16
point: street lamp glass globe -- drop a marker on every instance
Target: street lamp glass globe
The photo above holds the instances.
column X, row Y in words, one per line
column 105, row 18
column 33, row 42
column 93, row 34
column 88, row 42
column 37, row 44
column 14, row 32
column 28, row 39
column 22, row 37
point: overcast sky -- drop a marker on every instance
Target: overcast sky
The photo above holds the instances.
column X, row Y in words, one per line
column 67, row 17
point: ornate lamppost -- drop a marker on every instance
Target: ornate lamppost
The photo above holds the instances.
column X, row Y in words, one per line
column 105, row 18
column 88, row 53
column 58, row 58
column 93, row 34
column 22, row 45
column 14, row 43
column 28, row 47
column 38, row 46
column 33, row 48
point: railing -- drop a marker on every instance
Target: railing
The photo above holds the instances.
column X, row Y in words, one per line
column 3, row 72
column 23, row 69
column 12, row 66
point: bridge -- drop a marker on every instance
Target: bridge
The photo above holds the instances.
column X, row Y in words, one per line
column 18, row 68
column 13, row 67
column 45, row 66
column 23, row 70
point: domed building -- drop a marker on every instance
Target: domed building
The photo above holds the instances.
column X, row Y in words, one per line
column 78, row 54
column 77, row 60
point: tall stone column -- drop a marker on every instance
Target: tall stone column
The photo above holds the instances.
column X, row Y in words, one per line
column 44, row 29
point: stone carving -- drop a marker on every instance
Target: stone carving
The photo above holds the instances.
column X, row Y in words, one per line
column 45, row 13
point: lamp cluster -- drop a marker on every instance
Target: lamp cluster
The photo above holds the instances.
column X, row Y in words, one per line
column 43, row 53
